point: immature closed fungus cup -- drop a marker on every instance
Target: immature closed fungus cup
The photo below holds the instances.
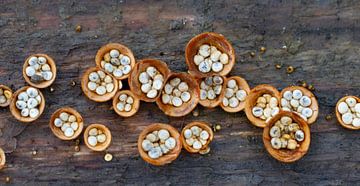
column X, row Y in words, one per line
column 262, row 104
column 196, row 136
column 28, row 104
column 97, row 137
column 98, row 85
column 211, row 90
column 287, row 137
column 300, row 100
column 348, row 112
column 6, row 95
column 180, row 95
column 125, row 103
column 148, row 79
column 116, row 59
column 208, row 54
column 159, row 144
column 66, row 123
column 39, row 70
column 236, row 91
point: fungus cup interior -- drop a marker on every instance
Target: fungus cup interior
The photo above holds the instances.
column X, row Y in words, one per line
column 171, row 155
column 8, row 101
column 286, row 155
column 93, row 95
column 57, row 131
column 100, row 146
column 2, row 158
column 213, row 39
column 339, row 116
column 242, row 84
column 17, row 113
column 215, row 102
column 44, row 83
column 251, row 100
column 134, row 83
column 203, row 126
column 185, row 108
column 135, row 105
column 314, row 104
column 121, row 48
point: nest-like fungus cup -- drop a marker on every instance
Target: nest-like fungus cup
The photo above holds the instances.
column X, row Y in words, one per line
column 2, row 158
column 314, row 103
column 122, row 49
column 251, row 100
column 186, row 107
column 286, row 155
column 214, row 39
column 135, row 105
column 17, row 113
column 242, row 84
column 171, row 155
column 339, row 115
column 203, row 126
column 8, row 100
column 44, row 83
column 58, row 132
column 100, row 146
column 92, row 95
column 141, row 66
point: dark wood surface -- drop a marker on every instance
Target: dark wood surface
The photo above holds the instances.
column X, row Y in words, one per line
column 321, row 40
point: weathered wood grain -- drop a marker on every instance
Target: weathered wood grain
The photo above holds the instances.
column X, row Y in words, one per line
column 322, row 43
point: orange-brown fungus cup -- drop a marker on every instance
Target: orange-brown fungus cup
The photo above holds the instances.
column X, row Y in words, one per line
column 97, row 137
column 211, row 90
column 300, row 100
column 125, row 103
column 179, row 96
column 39, row 70
column 159, row 144
column 209, row 46
column 2, row 158
column 348, row 112
column 235, row 94
column 148, row 79
column 116, row 59
column 293, row 150
column 98, row 85
column 6, row 95
column 22, row 99
column 196, row 136
column 259, row 99
column 66, row 123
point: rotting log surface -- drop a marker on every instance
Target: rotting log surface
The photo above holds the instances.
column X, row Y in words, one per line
column 322, row 43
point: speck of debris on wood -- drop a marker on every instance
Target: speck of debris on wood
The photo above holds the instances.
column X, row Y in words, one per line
column 262, row 49
column 290, row 69
column 73, row 83
column 177, row 24
column 328, row 117
column 302, row 83
column 7, row 179
column 252, row 54
column 78, row 28
column 311, row 87
column 195, row 112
